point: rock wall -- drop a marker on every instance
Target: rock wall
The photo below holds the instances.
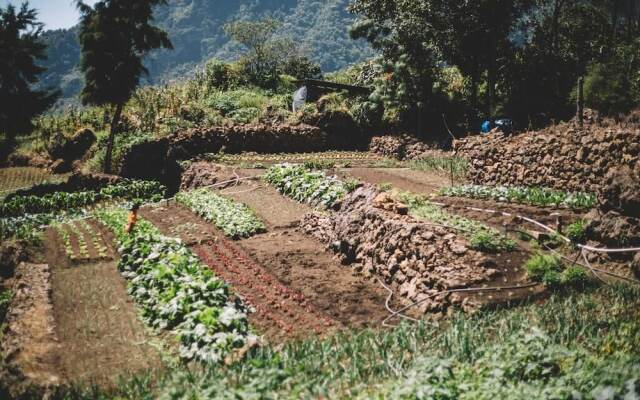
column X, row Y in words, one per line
column 400, row 147
column 158, row 159
column 616, row 222
column 416, row 258
column 563, row 157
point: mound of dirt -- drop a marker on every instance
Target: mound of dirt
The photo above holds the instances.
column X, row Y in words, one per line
column 67, row 150
column 29, row 342
column 401, row 147
column 418, row 259
column 563, row 156
column 12, row 253
column 201, row 174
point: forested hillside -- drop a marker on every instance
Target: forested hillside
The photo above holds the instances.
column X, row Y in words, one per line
column 195, row 28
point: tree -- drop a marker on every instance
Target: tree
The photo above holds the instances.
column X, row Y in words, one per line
column 420, row 37
column 268, row 55
column 20, row 49
column 115, row 35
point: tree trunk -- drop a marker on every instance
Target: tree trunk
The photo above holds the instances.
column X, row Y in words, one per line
column 491, row 76
column 474, row 96
column 112, row 137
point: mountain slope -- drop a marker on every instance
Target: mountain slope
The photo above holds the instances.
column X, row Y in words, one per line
column 195, row 28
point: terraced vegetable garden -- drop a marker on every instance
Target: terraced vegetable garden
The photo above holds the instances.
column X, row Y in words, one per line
column 23, row 216
column 261, row 288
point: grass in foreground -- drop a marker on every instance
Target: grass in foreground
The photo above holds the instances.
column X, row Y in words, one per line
column 572, row 346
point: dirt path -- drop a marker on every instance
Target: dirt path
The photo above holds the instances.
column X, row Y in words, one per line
column 96, row 323
column 275, row 210
column 401, row 178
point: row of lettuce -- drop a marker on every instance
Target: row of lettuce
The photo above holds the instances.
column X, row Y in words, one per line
column 175, row 291
column 542, row 197
column 22, row 217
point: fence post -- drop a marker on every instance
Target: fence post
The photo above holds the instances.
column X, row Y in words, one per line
column 580, row 97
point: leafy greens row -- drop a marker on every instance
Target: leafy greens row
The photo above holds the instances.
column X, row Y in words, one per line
column 176, row 291
column 233, row 218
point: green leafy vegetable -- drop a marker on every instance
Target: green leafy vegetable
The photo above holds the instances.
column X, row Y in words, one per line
column 175, row 291
column 535, row 196
column 306, row 186
column 233, row 218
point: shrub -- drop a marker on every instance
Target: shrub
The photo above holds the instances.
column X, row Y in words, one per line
column 544, row 268
column 220, row 75
column 577, row 231
column 575, row 276
column 487, row 242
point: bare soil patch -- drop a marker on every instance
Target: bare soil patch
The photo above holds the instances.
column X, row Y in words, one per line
column 276, row 210
column 30, row 347
column 402, row 178
column 303, row 264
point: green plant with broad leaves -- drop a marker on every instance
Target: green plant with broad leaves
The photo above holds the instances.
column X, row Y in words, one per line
column 305, row 185
column 234, row 219
column 480, row 236
column 127, row 189
column 174, row 290
column 542, row 197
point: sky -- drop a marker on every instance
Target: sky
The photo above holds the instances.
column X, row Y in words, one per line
column 54, row 13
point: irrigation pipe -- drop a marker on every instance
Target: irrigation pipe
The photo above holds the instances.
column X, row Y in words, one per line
column 388, row 307
column 548, row 229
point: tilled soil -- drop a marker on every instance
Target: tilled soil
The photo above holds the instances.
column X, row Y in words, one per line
column 96, row 320
column 402, row 178
column 294, row 284
column 303, row 263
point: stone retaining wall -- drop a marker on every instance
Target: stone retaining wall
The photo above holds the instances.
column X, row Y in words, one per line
column 157, row 159
column 415, row 258
column 563, row 157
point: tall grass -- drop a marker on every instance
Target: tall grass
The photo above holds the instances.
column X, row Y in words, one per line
column 573, row 343
column 453, row 165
